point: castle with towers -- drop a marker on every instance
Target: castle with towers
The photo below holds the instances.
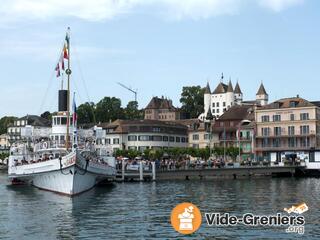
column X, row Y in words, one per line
column 225, row 96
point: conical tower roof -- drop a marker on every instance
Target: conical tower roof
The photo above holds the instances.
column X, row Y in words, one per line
column 262, row 90
column 209, row 115
column 237, row 89
column 221, row 88
column 207, row 90
column 230, row 88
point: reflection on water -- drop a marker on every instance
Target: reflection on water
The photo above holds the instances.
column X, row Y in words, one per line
column 142, row 210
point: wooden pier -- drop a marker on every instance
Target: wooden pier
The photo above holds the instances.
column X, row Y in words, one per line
column 206, row 173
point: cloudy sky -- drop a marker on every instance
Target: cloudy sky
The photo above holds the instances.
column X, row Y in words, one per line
column 157, row 47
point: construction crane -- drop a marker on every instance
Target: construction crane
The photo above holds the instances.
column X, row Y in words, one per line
column 130, row 89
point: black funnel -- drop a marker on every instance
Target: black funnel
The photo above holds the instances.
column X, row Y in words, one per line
column 63, row 100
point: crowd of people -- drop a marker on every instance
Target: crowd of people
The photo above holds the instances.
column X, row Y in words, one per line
column 167, row 164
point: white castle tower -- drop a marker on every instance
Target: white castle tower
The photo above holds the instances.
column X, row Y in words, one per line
column 262, row 96
column 230, row 98
column 238, row 94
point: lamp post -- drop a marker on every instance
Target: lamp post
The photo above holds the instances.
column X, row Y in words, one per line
column 208, row 126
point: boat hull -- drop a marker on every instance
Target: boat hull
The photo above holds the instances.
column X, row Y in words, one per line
column 73, row 176
column 70, row 182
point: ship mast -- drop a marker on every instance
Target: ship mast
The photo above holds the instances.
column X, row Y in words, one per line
column 68, row 72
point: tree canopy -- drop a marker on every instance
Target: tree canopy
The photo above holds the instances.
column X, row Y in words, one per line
column 109, row 109
column 86, row 113
column 192, row 100
column 5, row 122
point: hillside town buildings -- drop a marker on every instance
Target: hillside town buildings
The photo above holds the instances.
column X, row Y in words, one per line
column 287, row 129
column 40, row 127
column 161, row 109
column 145, row 134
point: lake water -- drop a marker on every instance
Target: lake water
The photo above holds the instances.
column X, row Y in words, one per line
column 142, row 210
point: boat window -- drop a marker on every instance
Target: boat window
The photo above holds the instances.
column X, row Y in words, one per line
column 63, row 121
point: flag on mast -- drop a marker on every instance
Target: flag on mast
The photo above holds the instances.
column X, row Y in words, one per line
column 74, row 114
column 57, row 70
column 65, row 52
column 62, row 62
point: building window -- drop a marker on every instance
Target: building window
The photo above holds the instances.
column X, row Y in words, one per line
column 292, row 142
column 265, row 142
column 304, row 116
column 276, row 142
column 305, row 142
column 293, row 103
column 108, row 140
column 207, row 136
column 165, row 138
column 224, row 104
column 265, row 118
column 132, row 138
column 116, row 141
column 291, row 130
column 195, row 137
column 291, row 117
column 265, row 131
column 217, row 110
column 178, row 139
column 195, row 145
column 217, row 104
column 156, row 129
column 277, row 131
column 276, row 118
column 143, row 138
column 157, row 138
column 142, row 148
column 304, row 129
column 171, row 139
column 213, row 104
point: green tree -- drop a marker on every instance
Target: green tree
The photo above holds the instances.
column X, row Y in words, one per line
column 233, row 152
column 86, row 113
column 5, row 122
column 109, row 109
column 132, row 112
column 46, row 115
column 192, row 100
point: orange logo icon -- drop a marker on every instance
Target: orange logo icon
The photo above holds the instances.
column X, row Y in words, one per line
column 186, row 218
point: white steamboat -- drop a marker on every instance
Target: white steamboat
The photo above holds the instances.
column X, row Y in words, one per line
column 63, row 162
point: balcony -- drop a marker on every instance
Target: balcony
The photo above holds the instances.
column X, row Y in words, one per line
column 284, row 148
column 285, row 134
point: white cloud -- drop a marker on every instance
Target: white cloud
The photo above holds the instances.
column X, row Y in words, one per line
column 279, row 5
column 100, row 10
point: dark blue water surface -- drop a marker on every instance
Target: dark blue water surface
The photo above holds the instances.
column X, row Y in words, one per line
column 142, row 210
